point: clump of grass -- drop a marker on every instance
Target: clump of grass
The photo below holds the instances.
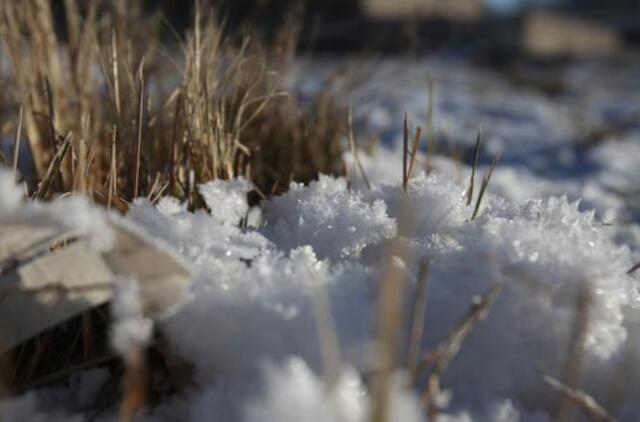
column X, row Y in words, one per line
column 147, row 116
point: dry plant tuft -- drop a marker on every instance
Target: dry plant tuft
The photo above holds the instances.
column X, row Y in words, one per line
column 147, row 117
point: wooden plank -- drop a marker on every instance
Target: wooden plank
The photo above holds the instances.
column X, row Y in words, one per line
column 15, row 239
column 42, row 286
column 163, row 278
column 49, row 289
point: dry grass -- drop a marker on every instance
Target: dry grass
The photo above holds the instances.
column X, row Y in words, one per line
column 141, row 117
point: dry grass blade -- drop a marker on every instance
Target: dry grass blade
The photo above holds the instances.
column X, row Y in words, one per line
column 141, row 104
column 430, row 127
column 417, row 321
column 354, row 151
column 474, row 167
column 329, row 343
column 580, row 399
column 414, row 150
column 134, row 388
column 113, row 173
column 405, row 151
column 18, row 139
column 53, row 170
column 440, row 358
column 483, row 188
column 634, row 268
column 389, row 316
column 52, row 113
column 575, row 356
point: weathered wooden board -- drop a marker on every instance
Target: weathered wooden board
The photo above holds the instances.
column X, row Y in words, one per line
column 15, row 239
column 44, row 281
column 162, row 277
column 49, row 289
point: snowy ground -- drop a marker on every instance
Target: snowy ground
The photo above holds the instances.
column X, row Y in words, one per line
column 250, row 326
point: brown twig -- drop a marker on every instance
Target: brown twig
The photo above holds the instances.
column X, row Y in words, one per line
column 405, row 151
column 474, row 166
column 575, row 356
column 417, row 322
column 140, row 125
column 389, row 316
column 18, row 140
column 439, row 359
column 53, row 169
column 354, row 151
column 580, row 399
column 414, row 151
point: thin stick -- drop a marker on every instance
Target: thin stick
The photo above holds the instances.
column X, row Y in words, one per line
column 114, row 67
column 16, row 145
column 52, row 171
column 448, row 349
column 430, row 129
column 483, row 187
column 134, row 389
column 405, row 151
column 354, row 151
column 389, row 317
column 326, row 331
column 476, row 156
column 634, row 268
column 575, row 356
column 582, row 400
column 52, row 129
column 414, row 150
column 112, row 175
column 417, row 323
column 140, row 124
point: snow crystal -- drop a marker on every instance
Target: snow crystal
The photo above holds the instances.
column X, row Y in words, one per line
column 336, row 221
column 226, row 199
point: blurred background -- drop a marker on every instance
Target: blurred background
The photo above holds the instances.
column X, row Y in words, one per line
column 399, row 26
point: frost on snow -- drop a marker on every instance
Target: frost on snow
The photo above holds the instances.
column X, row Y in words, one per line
column 250, row 329
column 336, row 221
column 226, row 199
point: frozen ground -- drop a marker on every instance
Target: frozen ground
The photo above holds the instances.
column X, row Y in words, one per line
column 251, row 324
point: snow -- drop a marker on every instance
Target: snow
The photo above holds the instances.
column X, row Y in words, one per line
column 558, row 220
column 130, row 329
column 337, row 222
column 11, row 194
column 226, row 199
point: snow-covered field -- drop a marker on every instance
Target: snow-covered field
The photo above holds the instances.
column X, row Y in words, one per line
column 251, row 323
